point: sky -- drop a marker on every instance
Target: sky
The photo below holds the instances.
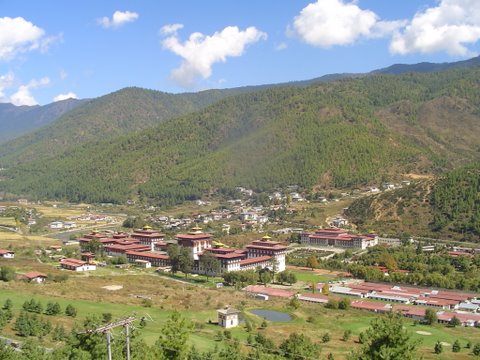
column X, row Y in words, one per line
column 53, row 50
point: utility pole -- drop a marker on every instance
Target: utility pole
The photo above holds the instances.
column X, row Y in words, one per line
column 106, row 329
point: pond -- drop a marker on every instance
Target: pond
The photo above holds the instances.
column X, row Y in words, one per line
column 271, row 315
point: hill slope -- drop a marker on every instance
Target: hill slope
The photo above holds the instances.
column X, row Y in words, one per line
column 447, row 207
column 340, row 134
column 124, row 111
column 133, row 109
column 17, row 120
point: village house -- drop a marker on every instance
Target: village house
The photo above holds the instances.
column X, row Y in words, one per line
column 56, row 225
column 7, row 254
column 35, row 277
column 228, row 318
column 76, row 265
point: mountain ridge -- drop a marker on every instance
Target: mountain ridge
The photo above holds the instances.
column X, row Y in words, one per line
column 340, row 134
column 18, row 120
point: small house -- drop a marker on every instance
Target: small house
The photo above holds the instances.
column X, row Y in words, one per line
column 35, row 277
column 228, row 318
column 7, row 254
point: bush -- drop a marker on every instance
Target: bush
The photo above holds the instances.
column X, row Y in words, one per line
column 456, row 346
column 7, row 273
column 326, row 338
column 70, row 310
column 346, row 335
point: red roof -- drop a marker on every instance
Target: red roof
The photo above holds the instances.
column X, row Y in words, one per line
column 126, row 247
column 276, row 247
column 463, row 317
column 257, row 289
column 255, row 260
column 370, row 305
column 147, row 254
column 194, row 236
column 410, row 310
column 34, row 274
column 307, row 296
column 72, row 262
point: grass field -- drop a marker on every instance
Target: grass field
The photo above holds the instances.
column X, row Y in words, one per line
column 8, row 221
column 86, row 292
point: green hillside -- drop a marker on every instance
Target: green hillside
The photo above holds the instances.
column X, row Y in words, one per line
column 124, row 111
column 342, row 134
column 18, row 120
column 448, row 207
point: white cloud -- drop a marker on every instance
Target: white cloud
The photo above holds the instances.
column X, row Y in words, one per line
column 23, row 95
column 281, row 46
column 170, row 29
column 18, row 35
column 63, row 74
column 449, row 27
column 326, row 23
column 200, row 51
column 69, row 95
column 119, row 18
column 6, row 82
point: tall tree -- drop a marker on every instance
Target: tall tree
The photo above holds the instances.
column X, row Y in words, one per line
column 209, row 263
column 173, row 251
column 299, row 347
column 312, row 262
column 185, row 261
column 172, row 343
column 386, row 339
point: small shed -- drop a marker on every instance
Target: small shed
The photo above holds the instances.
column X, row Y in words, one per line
column 143, row 263
column 228, row 318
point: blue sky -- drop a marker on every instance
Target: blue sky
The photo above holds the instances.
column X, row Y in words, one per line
column 51, row 50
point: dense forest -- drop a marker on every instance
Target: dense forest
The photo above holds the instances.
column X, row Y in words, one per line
column 342, row 134
column 127, row 110
column 447, row 207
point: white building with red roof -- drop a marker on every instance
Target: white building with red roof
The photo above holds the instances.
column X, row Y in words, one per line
column 77, row 265
column 335, row 237
column 266, row 247
column 196, row 240
column 7, row 254
column 35, row 277
column 148, row 236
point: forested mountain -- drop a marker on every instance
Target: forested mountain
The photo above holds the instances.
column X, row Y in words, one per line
column 17, row 120
column 132, row 109
column 427, row 67
column 124, row 111
column 447, row 207
column 339, row 134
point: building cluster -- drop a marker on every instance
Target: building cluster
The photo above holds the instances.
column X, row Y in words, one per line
column 147, row 247
column 92, row 217
column 340, row 238
column 437, row 299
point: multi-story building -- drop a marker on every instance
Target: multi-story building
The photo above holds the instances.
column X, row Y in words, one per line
column 148, row 236
column 336, row 237
column 266, row 247
column 196, row 240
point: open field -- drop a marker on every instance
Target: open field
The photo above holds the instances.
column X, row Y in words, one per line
column 8, row 221
column 87, row 293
